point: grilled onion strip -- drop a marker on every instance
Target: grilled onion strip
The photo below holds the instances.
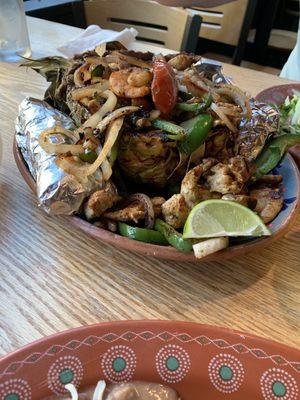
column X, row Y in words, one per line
column 60, row 148
column 83, row 170
column 89, row 91
column 223, row 117
column 107, row 107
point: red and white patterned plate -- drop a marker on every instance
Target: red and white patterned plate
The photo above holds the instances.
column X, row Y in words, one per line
column 199, row 361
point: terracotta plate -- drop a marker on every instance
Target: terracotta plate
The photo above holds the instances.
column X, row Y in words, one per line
column 199, row 361
column 291, row 191
column 277, row 95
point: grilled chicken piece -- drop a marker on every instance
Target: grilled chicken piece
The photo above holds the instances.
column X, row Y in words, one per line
column 175, row 211
column 135, row 212
column 100, row 201
column 269, row 181
column 209, row 180
column 140, row 391
column 242, row 199
column 269, row 202
column 229, row 178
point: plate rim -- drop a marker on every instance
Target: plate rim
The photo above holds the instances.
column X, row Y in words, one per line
column 285, row 86
column 168, row 252
column 164, row 324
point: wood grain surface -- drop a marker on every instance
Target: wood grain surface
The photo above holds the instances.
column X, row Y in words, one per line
column 54, row 277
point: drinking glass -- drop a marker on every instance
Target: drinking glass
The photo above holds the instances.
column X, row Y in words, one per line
column 14, row 41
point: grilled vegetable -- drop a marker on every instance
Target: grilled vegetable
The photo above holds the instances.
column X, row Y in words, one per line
column 273, row 153
column 164, row 87
column 197, row 130
column 53, row 69
column 147, row 157
column 142, row 234
column 89, row 157
column 290, row 114
column 176, row 132
column 196, row 107
column 174, row 238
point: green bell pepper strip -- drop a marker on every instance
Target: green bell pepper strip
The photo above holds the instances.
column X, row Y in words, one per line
column 89, row 157
column 273, row 152
column 176, row 131
column 174, row 238
column 196, row 107
column 185, row 96
column 97, row 71
column 197, row 130
column 142, row 234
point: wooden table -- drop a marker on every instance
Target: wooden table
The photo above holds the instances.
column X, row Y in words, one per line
column 54, row 277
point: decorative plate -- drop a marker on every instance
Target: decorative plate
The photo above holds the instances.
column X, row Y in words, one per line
column 277, row 95
column 279, row 226
column 199, row 361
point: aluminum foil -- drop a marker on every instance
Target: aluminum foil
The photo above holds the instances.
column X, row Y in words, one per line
column 212, row 70
column 254, row 132
column 57, row 192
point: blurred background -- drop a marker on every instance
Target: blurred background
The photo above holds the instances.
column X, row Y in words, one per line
column 258, row 34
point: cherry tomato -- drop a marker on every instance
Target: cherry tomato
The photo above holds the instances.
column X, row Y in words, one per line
column 164, row 87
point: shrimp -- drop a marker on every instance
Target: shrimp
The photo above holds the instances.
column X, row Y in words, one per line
column 130, row 82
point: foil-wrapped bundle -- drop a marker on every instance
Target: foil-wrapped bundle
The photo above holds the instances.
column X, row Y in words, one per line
column 212, row 70
column 57, row 192
column 254, row 132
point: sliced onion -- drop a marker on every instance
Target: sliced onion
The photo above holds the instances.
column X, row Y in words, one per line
column 100, row 49
column 107, row 107
column 99, row 391
column 210, row 246
column 223, row 117
column 119, row 113
column 230, row 112
column 62, row 148
column 84, row 170
column 134, row 61
column 73, row 391
column 90, row 91
column 237, row 96
column 97, row 61
column 105, row 167
column 147, row 205
column 154, row 114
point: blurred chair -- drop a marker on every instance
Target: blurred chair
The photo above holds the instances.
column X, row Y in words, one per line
column 282, row 39
column 229, row 24
column 172, row 27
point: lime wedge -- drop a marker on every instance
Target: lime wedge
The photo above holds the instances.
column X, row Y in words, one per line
column 216, row 218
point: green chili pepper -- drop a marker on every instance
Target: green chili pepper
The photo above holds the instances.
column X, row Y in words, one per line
column 174, row 238
column 142, row 234
column 176, row 131
column 185, row 96
column 196, row 107
column 273, row 152
column 89, row 157
column 197, row 130
column 97, row 71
